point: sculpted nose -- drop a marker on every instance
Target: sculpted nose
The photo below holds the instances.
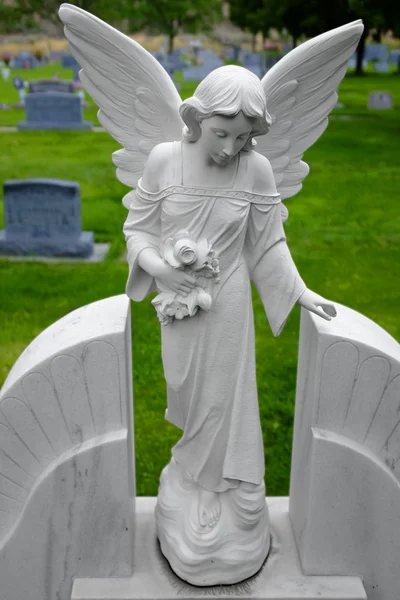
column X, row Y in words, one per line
column 228, row 150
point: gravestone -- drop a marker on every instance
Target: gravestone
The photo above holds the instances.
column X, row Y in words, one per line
column 67, row 441
column 50, row 85
column 55, row 56
column 270, row 61
column 70, row 511
column 53, row 110
column 381, row 67
column 209, row 59
column 394, row 57
column 380, row 100
column 68, row 61
column 5, row 72
column 196, row 73
column 352, row 64
column 377, row 52
column 75, row 71
column 256, row 69
column 24, row 60
column 43, row 217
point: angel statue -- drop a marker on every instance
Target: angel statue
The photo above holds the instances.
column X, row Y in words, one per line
column 205, row 219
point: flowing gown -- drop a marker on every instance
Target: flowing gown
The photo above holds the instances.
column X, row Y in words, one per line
column 209, row 359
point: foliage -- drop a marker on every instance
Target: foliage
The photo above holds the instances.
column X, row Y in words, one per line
column 12, row 21
column 252, row 15
column 343, row 231
column 315, row 17
column 290, row 15
column 48, row 9
column 380, row 15
column 171, row 16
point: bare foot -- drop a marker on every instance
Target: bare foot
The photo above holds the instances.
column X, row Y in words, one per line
column 209, row 508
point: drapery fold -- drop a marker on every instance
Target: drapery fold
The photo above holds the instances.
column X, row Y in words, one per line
column 209, row 358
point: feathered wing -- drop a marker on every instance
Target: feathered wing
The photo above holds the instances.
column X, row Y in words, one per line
column 301, row 92
column 138, row 101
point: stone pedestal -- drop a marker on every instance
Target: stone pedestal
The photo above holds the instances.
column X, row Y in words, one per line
column 280, row 578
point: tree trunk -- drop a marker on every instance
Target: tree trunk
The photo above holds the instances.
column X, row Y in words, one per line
column 377, row 37
column 171, row 37
column 360, row 51
column 253, row 42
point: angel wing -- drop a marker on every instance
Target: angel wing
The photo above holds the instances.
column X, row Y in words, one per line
column 301, row 92
column 138, row 101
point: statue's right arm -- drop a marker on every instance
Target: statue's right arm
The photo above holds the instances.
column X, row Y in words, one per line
column 149, row 258
column 142, row 234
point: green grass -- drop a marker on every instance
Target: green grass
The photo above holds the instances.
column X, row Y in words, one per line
column 343, row 231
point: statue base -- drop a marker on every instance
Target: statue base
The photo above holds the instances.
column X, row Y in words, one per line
column 221, row 539
column 281, row 577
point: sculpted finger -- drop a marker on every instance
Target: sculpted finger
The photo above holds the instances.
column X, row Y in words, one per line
column 330, row 309
column 190, row 281
column 321, row 313
column 189, row 284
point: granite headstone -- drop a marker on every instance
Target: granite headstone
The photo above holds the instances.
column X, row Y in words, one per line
column 394, row 57
column 377, row 52
column 50, row 85
column 68, row 61
column 24, row 60
column 55, row 56
column 380, row 100
column 381, row 67
column 43, row 218
column 53, row 110
column 196, row 73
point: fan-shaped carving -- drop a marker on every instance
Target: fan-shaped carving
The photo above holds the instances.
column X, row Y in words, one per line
column 360, row 399
column 74, row 401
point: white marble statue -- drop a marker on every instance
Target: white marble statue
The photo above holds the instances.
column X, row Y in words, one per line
column 205, row 219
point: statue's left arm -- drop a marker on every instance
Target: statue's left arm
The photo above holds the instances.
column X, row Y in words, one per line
column 270, row 263
column 271, row 266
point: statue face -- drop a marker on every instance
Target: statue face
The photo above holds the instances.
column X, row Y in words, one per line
column 223, row 137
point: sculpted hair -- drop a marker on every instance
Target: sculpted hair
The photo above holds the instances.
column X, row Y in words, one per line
column 227, row 91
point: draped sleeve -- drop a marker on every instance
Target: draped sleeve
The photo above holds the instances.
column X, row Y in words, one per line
column 270, row 264
column 142, row 230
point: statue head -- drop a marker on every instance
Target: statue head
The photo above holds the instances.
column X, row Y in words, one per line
column 227, row 91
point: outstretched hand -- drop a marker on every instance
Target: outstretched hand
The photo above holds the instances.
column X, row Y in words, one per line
column 317, row 304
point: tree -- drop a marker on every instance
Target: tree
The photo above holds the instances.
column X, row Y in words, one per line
column 250, row 15
column 109, row 10
column 307, row 20
column 171, row 16
column 380, row 15
column 11, row 21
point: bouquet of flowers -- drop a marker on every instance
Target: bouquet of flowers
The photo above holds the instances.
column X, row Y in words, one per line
column 199, row 260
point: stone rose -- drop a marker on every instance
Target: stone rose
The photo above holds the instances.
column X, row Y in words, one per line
column 185, row 251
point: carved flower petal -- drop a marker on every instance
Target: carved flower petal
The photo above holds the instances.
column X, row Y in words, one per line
column 204, row 300
column 191, row 301
column 169, row 256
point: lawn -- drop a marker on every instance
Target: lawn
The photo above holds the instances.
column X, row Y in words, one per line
column 343, row 231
